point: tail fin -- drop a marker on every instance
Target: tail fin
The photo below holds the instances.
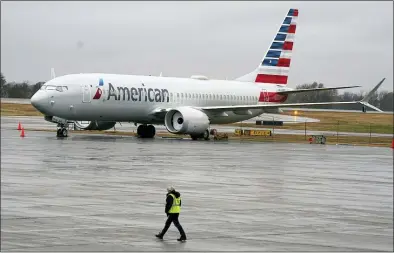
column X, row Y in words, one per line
column 274, row 68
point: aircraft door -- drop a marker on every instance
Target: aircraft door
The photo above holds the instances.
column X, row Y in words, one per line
column 86, row 93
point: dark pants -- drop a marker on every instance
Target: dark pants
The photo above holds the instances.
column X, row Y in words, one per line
column 173, row 217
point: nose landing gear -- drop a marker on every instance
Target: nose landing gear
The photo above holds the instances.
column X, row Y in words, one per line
column 62, row 130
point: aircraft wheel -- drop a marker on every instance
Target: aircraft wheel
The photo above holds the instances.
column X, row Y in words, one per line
column 64, row 132
column 206, row 135
column 150, row 131
column 141, row 131
column 194, row 137
column 146, row 131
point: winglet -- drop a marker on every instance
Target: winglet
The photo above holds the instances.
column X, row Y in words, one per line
column 369, row 95
column 364, row 101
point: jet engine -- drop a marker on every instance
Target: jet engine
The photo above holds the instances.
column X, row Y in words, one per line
column 186, row 120
column 94, row 125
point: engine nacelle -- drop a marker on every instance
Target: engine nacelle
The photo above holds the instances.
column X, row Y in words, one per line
column 94, row 125
column 186, row 120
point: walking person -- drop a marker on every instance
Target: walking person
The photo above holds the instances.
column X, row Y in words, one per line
column 172, row 209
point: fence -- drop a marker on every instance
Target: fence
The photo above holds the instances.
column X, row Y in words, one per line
column 363, row 133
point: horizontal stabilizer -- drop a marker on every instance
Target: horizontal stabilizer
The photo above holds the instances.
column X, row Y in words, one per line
column 317, row 89
column 370, row 106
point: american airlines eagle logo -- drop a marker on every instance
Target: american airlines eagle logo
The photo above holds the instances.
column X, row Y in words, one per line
column 99, row 91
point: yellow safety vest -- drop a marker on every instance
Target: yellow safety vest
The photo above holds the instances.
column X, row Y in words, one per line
column 176, row 207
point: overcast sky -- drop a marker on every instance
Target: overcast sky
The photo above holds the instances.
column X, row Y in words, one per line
column 337, row 43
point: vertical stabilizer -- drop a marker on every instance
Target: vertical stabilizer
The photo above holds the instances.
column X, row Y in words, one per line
column 274, row 67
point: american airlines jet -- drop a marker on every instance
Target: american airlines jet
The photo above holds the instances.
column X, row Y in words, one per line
column 184, row 105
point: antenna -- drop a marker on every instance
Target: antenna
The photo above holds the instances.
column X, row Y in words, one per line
column 53, row 75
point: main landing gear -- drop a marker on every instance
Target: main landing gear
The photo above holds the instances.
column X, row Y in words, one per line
column 146, row 131
column 204, row 136
column 62, row 130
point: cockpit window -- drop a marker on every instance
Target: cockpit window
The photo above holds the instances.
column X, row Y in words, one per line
column 61, row 88
column 51, row 87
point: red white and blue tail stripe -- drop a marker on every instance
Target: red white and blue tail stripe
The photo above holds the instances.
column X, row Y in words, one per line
column 274, row 68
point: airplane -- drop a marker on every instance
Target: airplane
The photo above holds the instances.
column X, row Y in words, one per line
column 186, row 106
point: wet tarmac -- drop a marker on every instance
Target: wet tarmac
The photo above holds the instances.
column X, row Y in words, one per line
column 107, row 193
column 39, row 123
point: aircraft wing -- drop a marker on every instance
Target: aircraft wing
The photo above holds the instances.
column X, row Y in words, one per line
column 363, row 101
column 316, row 89
column 262, row 106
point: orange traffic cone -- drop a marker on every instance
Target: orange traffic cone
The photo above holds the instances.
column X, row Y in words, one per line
column 23, row 132
column 19, row 126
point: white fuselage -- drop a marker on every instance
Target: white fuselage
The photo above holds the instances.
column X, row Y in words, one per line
column 130, row 98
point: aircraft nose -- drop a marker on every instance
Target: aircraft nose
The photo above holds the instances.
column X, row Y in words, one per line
column 40, row 101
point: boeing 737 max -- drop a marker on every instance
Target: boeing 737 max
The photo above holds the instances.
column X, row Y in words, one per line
column 183, row 105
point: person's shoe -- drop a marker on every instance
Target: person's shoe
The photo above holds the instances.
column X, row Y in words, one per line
column 160, row 236
column 182, row 238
